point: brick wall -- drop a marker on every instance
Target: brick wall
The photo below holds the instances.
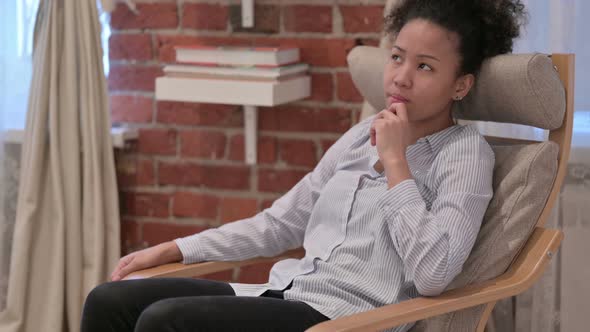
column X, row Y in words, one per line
column 186, row 173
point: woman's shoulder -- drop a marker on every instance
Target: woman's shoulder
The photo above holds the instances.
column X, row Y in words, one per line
column 354, row 137
column 359, row 132
column 365, row 123
column 467, row 143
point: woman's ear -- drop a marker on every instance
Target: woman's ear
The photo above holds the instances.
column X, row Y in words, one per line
column 463, row 85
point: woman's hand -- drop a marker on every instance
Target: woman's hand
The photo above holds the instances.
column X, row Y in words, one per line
column 390, row 132
column 163, row 253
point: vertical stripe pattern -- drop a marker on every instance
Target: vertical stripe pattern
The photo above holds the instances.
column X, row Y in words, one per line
column 366, row 245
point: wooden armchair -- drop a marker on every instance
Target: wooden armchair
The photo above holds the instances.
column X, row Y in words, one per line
column 524, row 263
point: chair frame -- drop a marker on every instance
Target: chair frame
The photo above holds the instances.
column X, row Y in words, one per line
column 523, row 272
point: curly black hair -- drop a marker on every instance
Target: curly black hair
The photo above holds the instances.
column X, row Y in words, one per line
column 485, row 27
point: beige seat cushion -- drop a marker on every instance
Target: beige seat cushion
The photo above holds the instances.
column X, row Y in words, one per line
column 512, row 88
column 523, row 177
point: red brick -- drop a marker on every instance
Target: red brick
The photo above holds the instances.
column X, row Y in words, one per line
column 183, row 174
column 204, row 16
column 157, row 141
column 303, row 119
column 156, row 233
column 187, row 114
column 306, row 18
column 195, row 205
column 203, row 144
column 226, row 276
column 130, row 236
column 130, row 47
column 145, row 173
column 146, row 204
column 221, row 177
column 135, row 109
column 278, row 180
column 298, row 152
column 347, row 91
column 362, row 18
column 132, row 172
column 266, row 149
column 226, row 177
column 232, row 209
column 255, row 274
column 322, row 87
column 266, row 19
column 151, row 15
column 130, row 77
column 165, row 44
column 369, row 41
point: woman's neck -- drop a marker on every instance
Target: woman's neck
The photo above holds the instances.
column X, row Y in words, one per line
column 433, row 125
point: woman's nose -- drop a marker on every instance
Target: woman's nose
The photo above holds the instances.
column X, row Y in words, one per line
column 402, row 77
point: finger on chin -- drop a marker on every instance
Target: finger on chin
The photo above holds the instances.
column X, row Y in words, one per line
column 392, row 109
column 403, row 113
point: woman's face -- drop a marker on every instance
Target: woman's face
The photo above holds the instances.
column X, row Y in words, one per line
column 422, row 72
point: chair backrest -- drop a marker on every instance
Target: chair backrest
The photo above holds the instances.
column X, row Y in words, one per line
column 524, row 89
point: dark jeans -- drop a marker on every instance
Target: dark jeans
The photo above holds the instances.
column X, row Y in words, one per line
column 182, row 304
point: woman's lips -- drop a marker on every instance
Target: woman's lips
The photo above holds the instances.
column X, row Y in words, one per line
column 396, row 99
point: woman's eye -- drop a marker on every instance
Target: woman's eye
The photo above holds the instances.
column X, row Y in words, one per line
column 424, row 66
column 396, row 58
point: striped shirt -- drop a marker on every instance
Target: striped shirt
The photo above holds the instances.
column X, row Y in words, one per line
column 365, row 245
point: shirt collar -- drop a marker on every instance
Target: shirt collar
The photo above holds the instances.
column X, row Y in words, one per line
column 437, row 140
column 430, row 144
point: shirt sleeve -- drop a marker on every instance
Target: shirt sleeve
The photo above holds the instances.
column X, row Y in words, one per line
column 434, row 243
column 276, row 229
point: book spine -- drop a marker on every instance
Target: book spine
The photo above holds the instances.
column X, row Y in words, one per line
column 229, row 71
column 236, row 77
column 230, row 65
column 208, row 57
column 230, row 48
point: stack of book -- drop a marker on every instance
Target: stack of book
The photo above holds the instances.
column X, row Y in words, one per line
column 262, row 76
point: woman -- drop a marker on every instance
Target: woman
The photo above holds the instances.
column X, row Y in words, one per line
column 391, row 211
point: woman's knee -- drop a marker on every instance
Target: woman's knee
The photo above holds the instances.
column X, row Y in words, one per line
column 157, row 317
column 101, row 305
column 103, row 295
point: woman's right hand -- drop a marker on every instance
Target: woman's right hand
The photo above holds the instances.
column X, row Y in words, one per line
column 163, row 253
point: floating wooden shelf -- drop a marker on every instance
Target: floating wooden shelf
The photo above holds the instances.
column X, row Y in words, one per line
column 249, row 94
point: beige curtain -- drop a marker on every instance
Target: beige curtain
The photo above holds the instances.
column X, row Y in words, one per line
column 66, row 237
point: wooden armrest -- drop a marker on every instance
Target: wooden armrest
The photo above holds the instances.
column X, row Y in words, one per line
column 194, row 270
column 523, row 272
column 527, row 268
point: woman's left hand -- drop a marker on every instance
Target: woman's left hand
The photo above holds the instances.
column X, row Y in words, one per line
column 390, row 132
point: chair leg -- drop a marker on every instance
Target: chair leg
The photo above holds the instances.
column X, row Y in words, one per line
column 485, row 316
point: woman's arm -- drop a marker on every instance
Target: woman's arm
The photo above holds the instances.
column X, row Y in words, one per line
column 276, row 229
column 435, row 243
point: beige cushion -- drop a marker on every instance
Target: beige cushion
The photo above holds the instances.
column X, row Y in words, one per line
column 523, row 177
column 514, row 88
